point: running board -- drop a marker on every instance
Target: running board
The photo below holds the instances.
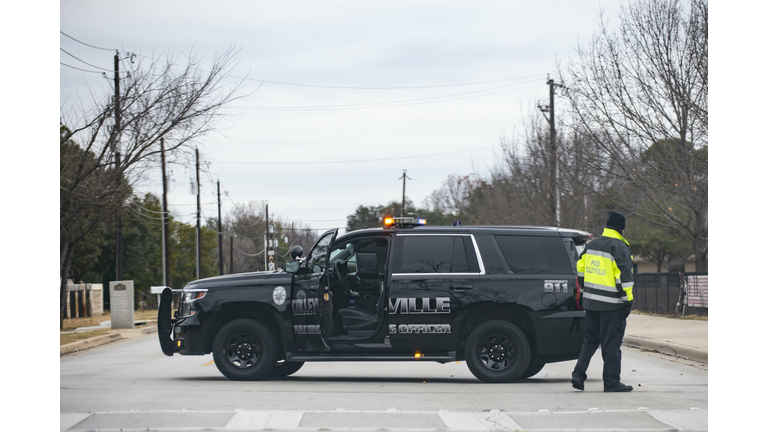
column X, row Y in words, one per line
column 294, row 357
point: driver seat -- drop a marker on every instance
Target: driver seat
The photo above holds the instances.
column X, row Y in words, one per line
column 358, row 322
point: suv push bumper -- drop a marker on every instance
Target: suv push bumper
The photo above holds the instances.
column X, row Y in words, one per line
column 188, row 339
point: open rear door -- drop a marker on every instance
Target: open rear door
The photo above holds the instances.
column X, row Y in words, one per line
column 165, row 323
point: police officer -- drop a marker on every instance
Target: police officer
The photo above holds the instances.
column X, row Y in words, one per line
column 605, row 273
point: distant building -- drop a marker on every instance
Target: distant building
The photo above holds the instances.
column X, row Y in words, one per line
column 641, row 265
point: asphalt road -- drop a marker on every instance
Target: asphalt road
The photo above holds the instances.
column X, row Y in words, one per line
column 131, row 385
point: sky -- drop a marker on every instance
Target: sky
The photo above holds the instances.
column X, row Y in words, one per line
column 339, row 97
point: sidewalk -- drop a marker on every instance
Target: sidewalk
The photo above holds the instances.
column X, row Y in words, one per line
column 677, row 337
column 114, row 336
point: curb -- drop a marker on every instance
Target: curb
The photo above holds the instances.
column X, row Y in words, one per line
column 149, row 330
column 669, row 348
column 98, row 341
column 89, row 343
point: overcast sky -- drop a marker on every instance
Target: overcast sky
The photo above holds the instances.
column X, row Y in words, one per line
column 295, row 158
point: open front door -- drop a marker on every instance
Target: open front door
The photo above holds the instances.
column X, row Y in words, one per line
column 311, row 300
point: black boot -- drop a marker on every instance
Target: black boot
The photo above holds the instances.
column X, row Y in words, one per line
column 578, row 385
column 619, row 388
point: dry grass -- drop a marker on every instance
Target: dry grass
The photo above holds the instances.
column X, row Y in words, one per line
column 74, row 323
column 66, row 338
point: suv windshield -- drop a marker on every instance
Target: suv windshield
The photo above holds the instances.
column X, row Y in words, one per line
column 316, row 259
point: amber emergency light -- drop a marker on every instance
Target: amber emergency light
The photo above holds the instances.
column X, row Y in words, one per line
column 401, row 222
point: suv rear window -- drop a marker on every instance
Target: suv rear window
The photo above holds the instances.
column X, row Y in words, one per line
column 435, row 254
column 534, row 255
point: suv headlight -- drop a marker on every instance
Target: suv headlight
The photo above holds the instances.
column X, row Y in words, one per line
column 188, row 298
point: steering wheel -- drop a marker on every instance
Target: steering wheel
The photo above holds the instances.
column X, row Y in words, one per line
column 340, row 277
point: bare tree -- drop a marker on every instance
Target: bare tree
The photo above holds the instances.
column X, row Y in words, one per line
column 454, row 198
column 170, row 99
column 517, row 189
column 640, row 96
column 245, row 226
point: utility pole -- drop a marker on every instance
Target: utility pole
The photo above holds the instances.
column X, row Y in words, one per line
column 166, row 225
column 221, row 256
column 402, row 209
column 554, row 172
column 231, row 254
column 116, row 149
column 266, row 237
column 197, row 237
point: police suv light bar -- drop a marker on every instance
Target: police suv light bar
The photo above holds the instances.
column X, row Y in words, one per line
column 403, row 222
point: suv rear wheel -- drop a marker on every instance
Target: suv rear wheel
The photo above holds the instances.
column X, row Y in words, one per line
column 497, row 351
column 284, row 368
column 532, row 370
column 245, row 350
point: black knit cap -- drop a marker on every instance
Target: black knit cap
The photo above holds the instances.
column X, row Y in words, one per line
column 616, row 222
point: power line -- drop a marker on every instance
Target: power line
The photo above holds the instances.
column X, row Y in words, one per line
column 289, row 250
column 97, row 67
column 354, row 161
column 92, row 46
column 138, row 206
column 247, row 254
column 421, row 101
column 306, row 186
column 388, row 88
column 84, row 70
column 145, row 218
column 374, row 106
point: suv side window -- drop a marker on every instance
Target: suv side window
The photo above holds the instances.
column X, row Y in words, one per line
column 534, row 255
column 434, row 254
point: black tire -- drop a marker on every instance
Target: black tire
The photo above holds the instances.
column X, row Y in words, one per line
column 497, row 352
column 532, row 370
column 245, row 350
column 284, row 368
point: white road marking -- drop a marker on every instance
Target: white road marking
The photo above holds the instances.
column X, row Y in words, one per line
column 67, row 420
column 285, row 420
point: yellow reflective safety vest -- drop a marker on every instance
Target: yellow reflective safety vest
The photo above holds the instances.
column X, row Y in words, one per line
column 605, row 272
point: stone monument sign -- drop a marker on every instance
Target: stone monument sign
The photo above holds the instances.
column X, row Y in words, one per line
column 121, row 304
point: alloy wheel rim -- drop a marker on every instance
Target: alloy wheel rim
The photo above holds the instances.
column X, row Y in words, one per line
column 497, row 353
column 242, row 351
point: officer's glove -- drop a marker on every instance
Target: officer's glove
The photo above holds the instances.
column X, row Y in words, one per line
column 628, row 291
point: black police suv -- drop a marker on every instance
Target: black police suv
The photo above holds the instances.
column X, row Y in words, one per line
column 502, row 298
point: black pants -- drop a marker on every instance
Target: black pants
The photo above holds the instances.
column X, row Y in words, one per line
column 604, row 330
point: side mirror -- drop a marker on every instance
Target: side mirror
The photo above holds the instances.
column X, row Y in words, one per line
column 367, row 263
column 292, row 266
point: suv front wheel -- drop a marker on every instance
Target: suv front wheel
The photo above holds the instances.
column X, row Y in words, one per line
column 245, row 350
column 497, row 351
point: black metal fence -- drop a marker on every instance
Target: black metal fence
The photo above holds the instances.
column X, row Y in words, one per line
column 667, row 293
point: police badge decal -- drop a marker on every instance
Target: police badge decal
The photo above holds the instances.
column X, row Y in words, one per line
column 279, row 295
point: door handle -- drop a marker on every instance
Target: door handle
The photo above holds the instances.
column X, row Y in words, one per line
column 461, row 287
